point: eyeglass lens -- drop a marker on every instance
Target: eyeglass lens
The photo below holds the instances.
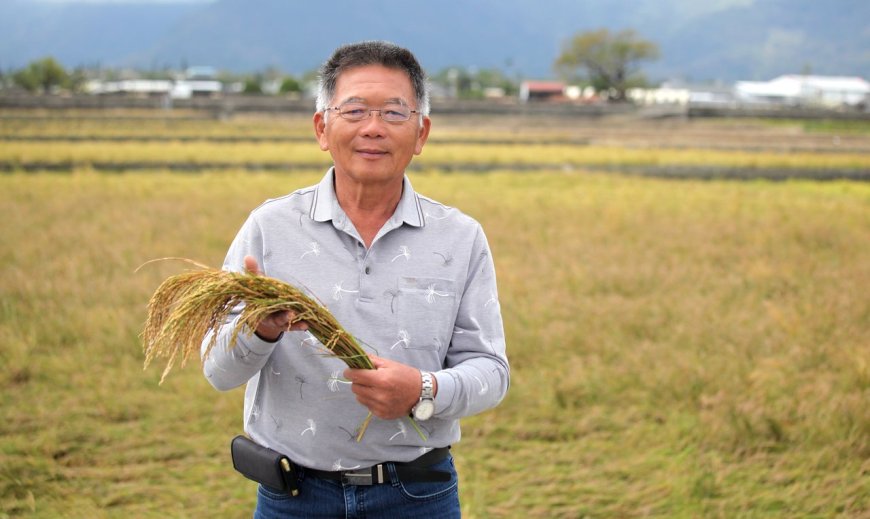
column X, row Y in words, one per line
column 390, row 112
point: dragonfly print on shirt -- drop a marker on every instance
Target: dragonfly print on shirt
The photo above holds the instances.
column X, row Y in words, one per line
column 446, row 258
column 338, row 290
column 334, row 381
column 404, row 338
column 484, row 387
column 310, row 341
column 392, row 294
column 312, row 428
column 404, row 252
column 403, row 431
column 313, row 248
column 484, row 254
column 279, row 423
column 301, row 381
column 432, row 293
column 300, row 212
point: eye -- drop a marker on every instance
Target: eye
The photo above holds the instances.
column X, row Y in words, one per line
column 396, row 113
column 354, row 111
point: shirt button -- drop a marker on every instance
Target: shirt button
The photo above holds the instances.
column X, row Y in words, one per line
column 368, row 270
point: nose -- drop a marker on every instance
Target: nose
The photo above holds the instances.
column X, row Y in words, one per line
column 373, row 126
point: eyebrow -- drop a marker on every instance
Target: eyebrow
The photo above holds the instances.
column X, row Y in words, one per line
column 392, row 100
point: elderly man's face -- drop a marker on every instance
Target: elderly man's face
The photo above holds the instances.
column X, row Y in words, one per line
column 372, row 151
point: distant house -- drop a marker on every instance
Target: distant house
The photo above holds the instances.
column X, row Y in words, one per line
column 200, row 73
column 542, row 91
column 680, row 93
column 582, row 94
column 187, row 88
column 179, row 89
column 665, row 94
column 131, row 87
column 794, row 90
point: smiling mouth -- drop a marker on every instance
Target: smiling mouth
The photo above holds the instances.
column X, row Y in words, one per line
column 371, row 153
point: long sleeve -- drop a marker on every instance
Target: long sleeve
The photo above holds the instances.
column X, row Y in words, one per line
column 477, row 373
column 229, row 366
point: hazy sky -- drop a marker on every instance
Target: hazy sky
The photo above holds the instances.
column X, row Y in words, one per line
column 119, row 1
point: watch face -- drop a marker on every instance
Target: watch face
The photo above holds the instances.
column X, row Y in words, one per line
column 424, row 410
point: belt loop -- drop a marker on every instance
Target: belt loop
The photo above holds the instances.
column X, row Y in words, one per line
column 380, row 473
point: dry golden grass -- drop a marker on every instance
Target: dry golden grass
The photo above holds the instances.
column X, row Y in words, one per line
column 89, row 124
column 307, row 153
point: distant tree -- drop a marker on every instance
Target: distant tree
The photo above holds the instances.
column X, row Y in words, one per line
column 471, row 83
column 494, row 78
column 51, row 74
column 610, row 60
column 253, row 85
column 26, row 79
column 290, row 84
column 42, row 75
column 77, row 79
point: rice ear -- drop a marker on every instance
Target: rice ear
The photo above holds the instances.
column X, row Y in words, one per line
column 188, row 306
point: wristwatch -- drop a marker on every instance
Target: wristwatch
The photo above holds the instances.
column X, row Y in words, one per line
column 425, row 408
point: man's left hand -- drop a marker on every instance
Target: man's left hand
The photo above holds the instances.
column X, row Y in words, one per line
column 389, row 391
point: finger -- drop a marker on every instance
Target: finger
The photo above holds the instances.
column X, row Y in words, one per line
column 281, row 319
column 378, row 362
column 360, row 377
column 299, row 326
column 251, row 265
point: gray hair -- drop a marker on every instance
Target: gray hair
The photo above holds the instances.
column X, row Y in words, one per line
column 372, row 53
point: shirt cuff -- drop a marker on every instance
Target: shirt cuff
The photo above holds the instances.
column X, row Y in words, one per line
column 276, row 339
column 446, row 390
column 249, row 340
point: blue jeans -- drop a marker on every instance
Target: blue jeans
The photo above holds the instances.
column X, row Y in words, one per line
column 331, row 499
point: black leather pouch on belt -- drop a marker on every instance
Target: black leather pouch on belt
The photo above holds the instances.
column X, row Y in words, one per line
column 263, row 465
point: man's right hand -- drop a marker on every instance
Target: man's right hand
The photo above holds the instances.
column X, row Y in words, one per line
column 276, row 323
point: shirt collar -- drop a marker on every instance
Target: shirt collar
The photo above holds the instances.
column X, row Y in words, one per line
column 325, row 205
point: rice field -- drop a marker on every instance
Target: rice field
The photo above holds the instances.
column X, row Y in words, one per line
column 182, row 141
column 680, row 348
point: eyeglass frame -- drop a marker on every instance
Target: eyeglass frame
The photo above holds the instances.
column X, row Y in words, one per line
column 370, row 110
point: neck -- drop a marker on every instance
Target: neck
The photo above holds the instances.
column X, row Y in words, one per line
column 368, row 206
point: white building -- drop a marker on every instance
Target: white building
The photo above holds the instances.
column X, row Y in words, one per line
column 679, row 93
column 135, row 87
column 665, row 94
column 797, row 90
column 196, row 88
column 179, row 89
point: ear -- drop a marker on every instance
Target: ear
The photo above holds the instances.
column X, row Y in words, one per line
column 422, row 135
column 320, row 130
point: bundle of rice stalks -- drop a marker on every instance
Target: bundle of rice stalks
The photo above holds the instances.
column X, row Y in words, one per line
column 187, row 306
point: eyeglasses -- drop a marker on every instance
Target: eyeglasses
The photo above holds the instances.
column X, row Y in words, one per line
column 391, row 113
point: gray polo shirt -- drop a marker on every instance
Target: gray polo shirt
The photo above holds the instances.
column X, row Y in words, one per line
column 423, row 294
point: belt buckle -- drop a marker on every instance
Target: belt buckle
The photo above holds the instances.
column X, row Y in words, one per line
column 363, row 477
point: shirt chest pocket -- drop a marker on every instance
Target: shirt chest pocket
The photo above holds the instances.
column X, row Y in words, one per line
column 426, row 312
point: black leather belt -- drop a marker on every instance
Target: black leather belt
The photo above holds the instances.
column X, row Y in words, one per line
column 416, row 471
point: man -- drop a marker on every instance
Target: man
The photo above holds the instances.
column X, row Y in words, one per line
column 410, row 278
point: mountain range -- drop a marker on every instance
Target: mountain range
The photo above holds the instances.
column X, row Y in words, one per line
column 709, row 40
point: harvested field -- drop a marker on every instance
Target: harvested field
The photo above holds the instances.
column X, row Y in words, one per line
column 679, row 348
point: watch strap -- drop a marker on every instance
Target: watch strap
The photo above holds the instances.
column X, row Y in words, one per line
column 427, row 392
